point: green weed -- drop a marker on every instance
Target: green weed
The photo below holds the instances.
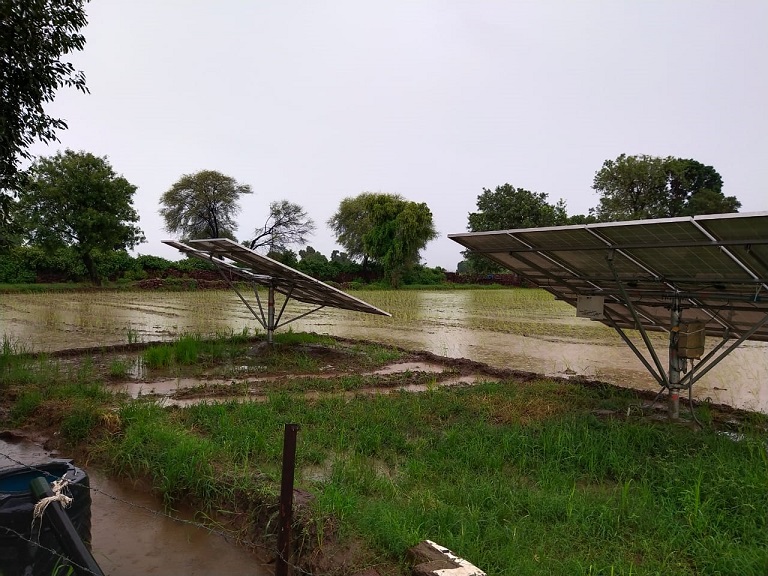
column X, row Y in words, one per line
column 118, row 369
column 132, row 336
column 80, row 422
column 160, row 356
column 26, row 404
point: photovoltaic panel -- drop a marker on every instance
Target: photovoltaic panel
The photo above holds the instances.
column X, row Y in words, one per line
column 716, row 265
column 232, row 258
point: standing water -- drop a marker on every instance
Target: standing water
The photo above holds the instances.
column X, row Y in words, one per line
column 511, row 328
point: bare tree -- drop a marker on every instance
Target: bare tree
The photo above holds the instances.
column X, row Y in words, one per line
column 286, row 224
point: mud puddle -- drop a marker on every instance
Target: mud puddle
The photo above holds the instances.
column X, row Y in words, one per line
column 167, row 390
column 131, row 535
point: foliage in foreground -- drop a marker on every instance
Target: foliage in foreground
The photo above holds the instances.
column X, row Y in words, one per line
column 35, row 35
column 521, row 480
column 518, row 478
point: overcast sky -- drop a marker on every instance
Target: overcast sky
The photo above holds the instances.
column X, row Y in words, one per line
column 315, row 101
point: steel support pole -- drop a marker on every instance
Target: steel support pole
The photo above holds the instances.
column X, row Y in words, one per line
column 270, row 313
column 286, row 500
column 674, row 361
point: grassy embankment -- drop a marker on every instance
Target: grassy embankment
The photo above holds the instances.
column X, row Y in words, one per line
column 520, row 478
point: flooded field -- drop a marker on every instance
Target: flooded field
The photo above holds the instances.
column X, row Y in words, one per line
column 520, row 329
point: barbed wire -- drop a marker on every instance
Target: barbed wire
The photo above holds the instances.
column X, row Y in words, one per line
column 51, row 551
column 229, row 538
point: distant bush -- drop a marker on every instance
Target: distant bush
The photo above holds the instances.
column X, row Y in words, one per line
column 192, row 264
column 13, row 268
column 115, row 264
column 148, row 262
column 27, row 264
column 424, row 276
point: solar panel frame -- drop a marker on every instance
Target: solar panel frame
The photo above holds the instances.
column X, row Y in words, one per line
column 716, row 264
column 231, row 257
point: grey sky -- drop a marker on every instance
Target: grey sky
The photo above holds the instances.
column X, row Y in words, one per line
column 315, row 101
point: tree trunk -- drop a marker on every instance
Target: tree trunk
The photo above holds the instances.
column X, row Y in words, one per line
column 366, row 273
column 90, row 265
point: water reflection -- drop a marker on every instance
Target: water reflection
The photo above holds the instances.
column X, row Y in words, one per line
column 521, row 329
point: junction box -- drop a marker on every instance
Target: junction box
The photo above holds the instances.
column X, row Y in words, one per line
column 690, row 340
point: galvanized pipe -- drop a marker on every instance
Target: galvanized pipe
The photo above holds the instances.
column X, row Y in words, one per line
column 674, row 361
column 271, row 313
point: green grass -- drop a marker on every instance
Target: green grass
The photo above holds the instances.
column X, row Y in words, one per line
column 118, row 369
column 290, row 337
column 184, row 352
column 520, row 480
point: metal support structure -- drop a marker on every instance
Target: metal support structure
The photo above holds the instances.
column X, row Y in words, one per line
column 282, row 308
column 743, row 338
column 676, row 364
column 271, row 313
column 239, row 295
column 286, row 500
column 269, row 321
column 65, row 532
column 638, row 324
column 659, row 378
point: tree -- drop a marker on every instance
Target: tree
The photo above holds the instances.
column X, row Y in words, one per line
column 203, row 205
column 350, row 223
column 383, row 228
column 287, row 257
column 641, row 187
column 76, row 199
column 506, row 208
column 34, row 35
column 287, row 224
column 313, row 263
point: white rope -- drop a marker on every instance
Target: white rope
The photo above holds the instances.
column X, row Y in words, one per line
column 58, row 496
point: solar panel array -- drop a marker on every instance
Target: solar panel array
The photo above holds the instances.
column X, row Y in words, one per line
column 244, row 263
column 717, row 265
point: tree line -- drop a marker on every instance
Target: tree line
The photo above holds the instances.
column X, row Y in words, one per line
column 629, row 188
column 74, row 203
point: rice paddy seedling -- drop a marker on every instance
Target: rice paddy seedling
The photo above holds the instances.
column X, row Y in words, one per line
column 118, row 368
column 187, row 349
column 160, row 356
column 132, row 335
